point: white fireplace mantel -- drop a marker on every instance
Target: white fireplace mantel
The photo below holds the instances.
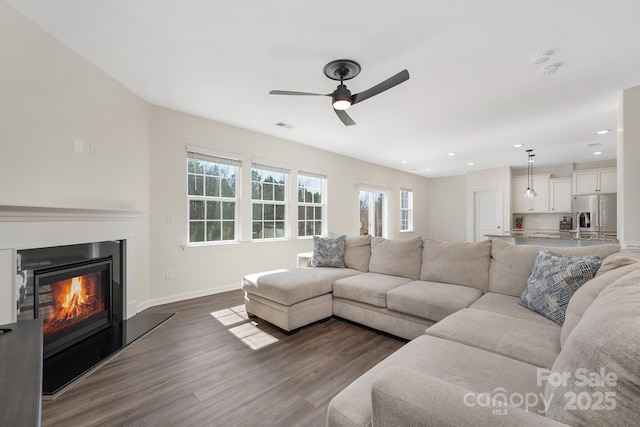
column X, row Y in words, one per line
column 50, row 214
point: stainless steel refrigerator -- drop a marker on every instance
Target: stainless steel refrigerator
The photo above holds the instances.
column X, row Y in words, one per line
column 595, row 213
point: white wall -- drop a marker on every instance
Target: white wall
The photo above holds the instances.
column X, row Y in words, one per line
column 219, row 267
column 448, row 208
column 50, row 96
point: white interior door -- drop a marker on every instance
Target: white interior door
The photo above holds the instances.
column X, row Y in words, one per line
column 488, row 213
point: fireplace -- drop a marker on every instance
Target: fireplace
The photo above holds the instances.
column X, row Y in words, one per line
column 73, row 301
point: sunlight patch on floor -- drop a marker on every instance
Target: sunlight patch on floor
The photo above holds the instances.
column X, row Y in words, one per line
column 252, row 336
column 231, row 316
column 247, row 332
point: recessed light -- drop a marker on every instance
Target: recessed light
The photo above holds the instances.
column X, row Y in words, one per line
column 603, row 132
column 550, row 69
column 542, row 57
column 404, row 161
column 471, row 163
column 452, row 153
column 518, row 145
column 597, row 153
column 427, row 169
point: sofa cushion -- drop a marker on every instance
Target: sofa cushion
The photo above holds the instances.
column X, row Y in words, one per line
column 460, row 263
column 553, row 281
column 405, row 397
column 328, row 251
column 476, row 370
column 357, row 253
column 617, row 260
column 370, row 288
column 396, row 257
column 431, row 300
column 519, row 339
column 511, row 264
column 605, row 345
column 587, row 293
column 506, row 304
column 288, row 287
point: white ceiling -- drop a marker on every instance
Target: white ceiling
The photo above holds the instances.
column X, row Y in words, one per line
column 474, row 88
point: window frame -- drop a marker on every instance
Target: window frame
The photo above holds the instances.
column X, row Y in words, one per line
column 408, row 209
column 284, row 203
column 312, row 205
column 219, row 161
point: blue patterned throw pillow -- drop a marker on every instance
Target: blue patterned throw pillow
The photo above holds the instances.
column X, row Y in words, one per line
column 328, row 251
column 553, row 281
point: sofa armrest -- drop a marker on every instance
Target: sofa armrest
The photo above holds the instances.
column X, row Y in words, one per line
column 304, row 259
column 403, row 396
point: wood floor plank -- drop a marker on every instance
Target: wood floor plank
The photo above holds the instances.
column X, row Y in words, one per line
column 210, row 365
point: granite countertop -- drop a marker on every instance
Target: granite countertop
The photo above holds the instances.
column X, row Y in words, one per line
column 553, row 234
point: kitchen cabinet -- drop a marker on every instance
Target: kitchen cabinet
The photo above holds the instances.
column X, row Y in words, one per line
column 540, row 203
column 595, row 181
column 560, row 195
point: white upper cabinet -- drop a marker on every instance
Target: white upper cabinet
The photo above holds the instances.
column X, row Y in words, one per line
column 560, row 197
column 595, row 181
column 540, row 203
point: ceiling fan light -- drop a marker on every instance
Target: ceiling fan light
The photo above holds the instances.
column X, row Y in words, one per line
column 341, row 104
column 341, row 98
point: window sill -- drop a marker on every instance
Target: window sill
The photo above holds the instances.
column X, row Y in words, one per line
column 209, row 245
column 236, row 243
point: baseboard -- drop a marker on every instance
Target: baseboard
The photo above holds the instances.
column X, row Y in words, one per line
column 189, row 295
column 632, row 246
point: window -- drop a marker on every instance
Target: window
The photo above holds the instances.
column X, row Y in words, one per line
column 372, row 213
column 406, row 210
column 268, row 192
column 212, row 195
column 310, row 204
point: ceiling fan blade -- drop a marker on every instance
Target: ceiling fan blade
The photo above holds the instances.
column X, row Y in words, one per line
column 342, row 115
column 288, row 92
column 402, row 76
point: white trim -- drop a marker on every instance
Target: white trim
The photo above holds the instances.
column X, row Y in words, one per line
column 270, row 168
column 214, row 153
column 372, row 187
column 632, row 246
column 304, row 172
column 186, row 296
column 53, row 214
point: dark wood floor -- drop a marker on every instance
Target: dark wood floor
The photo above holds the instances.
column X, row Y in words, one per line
column 211, row 366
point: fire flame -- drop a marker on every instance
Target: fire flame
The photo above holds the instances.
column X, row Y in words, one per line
column 74, row 299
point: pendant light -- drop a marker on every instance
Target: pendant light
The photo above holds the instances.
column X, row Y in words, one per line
column 530, row 192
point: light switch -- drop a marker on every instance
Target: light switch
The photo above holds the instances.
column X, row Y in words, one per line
column 77, row 146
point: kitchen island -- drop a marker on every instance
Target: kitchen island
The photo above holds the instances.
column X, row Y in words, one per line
column 552, row 238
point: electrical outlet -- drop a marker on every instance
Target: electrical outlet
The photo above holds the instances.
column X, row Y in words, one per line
column 169, row 219
column 93, row 151
column 168, row 274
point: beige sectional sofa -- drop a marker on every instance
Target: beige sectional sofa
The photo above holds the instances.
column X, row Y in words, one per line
column 476, row 356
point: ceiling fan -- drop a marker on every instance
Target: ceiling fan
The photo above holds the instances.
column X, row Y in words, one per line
column 346, row 69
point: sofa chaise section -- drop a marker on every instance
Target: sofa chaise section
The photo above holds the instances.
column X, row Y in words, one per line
column 292, row 298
